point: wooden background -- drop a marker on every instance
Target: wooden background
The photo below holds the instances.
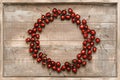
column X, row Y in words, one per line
column 60, row 40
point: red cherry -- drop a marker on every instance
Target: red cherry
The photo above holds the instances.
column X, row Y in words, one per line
column 34, row 55
column 62, row 17
column 83, row 52
column 83, row 31
column 40, row 54
column 74, row 70
column 88, row 40
column 35, row 51
column 79, row 56
column 93, row 32
column 88, row 30
column 73, row 20
column 37, row 47
column 84, row 63
column 89, row 57
column 42, row 25
column 78, row 22
column 39, row 60
column 51, row 19
column 48, row 60
column 28, row 40
column 64, row 12
column 67, row 64
column 92, row 37
column 34, row 30
column 81, row 27
column 84, row 47
column 54, row 10
column 58, row 70
column 74, row 61
column 70, row 10
column 79, row 61
column 37, row 36
column 89, row 52
column 97, row 40
column 29, row 31
column 43, row 63
column 84, row 22
column 31, row 45
column 37, row 42
column 53, row 63
column 39, row 21
column 72, row 15
column 84, row 56
column 54, row 68
column 58, row 64
column 78, row 65
column 63, row 68
column 86, row 27
column 39, row 29
column 49, row 66
column 32, row 39
column 43, row 17
column 77, row 16
column 36, row 25
column 68, row 69
column 59, row 11
column 94, row 49
column 89, row 47
column 33, row 35
column 85, row 35
column 55, row 15
column 92, row 43
column 46, row 21
column 30, row 50
column 84, row 42
column 67, row 17
column 48, row 14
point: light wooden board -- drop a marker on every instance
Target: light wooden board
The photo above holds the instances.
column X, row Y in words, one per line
column 62, row 38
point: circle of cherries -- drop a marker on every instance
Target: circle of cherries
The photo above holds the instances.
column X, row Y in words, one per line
column 88, row 44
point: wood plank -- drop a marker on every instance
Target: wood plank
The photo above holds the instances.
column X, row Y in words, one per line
column 29, row 13
column 106, row 31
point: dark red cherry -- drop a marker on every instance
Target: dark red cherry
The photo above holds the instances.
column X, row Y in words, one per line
column 58, row 64
column 94, row 49
column 67, row 17
column 62, row 17
column 51, row 19
column 39, row 29
column 34, row 55
column 63, row 68
column 97, row 40
column 84, row 63
column 72, row 15
column 59, row 11
column 81, row 27
column 31, row 50
column 74, row 70
column 77, row 16
column 73, row 20
column 78, row 22
column 46, row 21
column 54, row 10
column 84, row 56
column 42, row 25
column 58, row 70
column 93, row 32
column 48, row 14
column 84, row 22
column 29, row 31
column 64, row 12
column 89, row 52
column 83, row 52
column 79, row 61
column 39, row 21
column 36, row 25
column 70, row 10
column 28, row 40
column 39, row 60
column 78, row 56
column 43, row 17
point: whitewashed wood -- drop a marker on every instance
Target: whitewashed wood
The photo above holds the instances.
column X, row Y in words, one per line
column 108, row 31
column 83, row 15
column 15, row 57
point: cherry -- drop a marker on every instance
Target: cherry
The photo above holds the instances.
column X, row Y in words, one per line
column 97, row 40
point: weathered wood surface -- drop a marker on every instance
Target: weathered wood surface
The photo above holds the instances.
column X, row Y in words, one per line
column 59, row 39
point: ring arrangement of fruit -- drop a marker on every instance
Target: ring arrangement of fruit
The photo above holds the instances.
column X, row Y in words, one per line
column 88, row 47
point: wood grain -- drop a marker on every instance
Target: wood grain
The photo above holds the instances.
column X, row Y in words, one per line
column 61, row 38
